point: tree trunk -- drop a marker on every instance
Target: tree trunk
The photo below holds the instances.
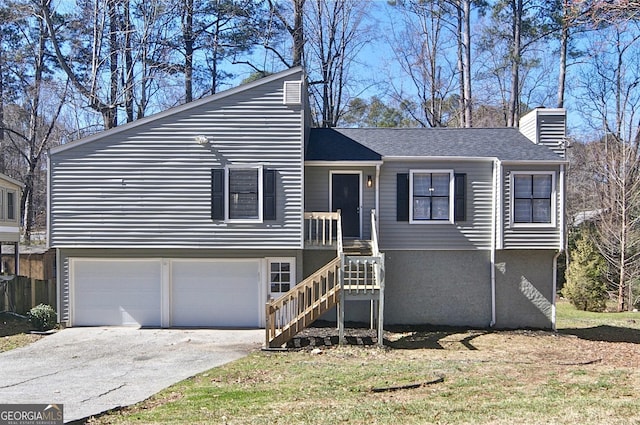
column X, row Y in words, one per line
column 128, row 61
column 514, row 100
column 466, row 63
column 297, row 32
column 2, row 153
column 564, row 41
column 113, row 63
column 187, row 35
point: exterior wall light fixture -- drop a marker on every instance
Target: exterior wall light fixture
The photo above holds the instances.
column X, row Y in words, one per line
column 202, row 140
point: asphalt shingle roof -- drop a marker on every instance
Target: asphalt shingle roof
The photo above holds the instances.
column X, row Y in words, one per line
column 365, row 144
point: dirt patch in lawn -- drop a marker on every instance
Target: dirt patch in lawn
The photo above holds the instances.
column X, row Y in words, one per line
column 15, row 331
column 607, row 345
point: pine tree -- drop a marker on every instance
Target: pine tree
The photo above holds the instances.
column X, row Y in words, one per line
column 586, row 286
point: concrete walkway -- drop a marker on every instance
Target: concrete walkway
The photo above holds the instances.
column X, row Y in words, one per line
column 91, row 370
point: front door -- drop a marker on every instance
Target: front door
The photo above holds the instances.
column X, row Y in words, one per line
column 345, row 196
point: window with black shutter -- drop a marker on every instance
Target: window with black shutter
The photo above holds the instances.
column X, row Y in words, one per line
column 238, row 192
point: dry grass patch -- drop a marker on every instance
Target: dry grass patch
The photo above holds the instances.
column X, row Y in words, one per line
column 509, row 377
column 15, row 332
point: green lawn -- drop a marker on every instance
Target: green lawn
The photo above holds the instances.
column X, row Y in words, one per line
column 578, row 375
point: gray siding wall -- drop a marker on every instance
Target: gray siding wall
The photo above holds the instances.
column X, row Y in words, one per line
column 524, row 237
column 474, row 233
column 65, row 254
column 546, row 127
column 150, row 185
column 316, row 192
column 524, row 289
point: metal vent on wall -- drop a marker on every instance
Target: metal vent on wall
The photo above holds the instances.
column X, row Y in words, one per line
column 292, row 92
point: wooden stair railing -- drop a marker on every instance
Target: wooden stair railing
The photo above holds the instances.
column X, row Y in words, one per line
column 302, row 305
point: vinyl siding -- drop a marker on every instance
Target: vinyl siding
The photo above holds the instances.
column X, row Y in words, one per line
column 546, row 127
column 65, row 254
column 523, row 237
column 474, row 233
column 317, row 192
column 150, row 185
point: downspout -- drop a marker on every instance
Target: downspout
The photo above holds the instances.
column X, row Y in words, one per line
column 561, row 247
column 377, row 203
column 497, row 171
column 48, row 242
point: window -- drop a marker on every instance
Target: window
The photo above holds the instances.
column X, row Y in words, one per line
column 532, row 198
column 431, row 195
column 281, row 273
column 11, row 206
column 243, row 193
column 2, row 204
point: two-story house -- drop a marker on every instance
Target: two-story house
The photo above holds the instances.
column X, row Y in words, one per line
column 10, row 193
column 199, row 215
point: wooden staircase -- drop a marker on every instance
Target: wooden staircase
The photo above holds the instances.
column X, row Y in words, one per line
column 357, row 272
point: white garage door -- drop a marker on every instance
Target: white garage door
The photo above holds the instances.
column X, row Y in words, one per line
column 115, row 292
column 215, row 293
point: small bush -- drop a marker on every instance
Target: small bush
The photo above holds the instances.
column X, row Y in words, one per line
column 42, row 317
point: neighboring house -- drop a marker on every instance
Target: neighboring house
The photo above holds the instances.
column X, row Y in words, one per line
column 10, row 193
column 199, row 215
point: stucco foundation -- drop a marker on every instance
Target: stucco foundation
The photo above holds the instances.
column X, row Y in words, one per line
column 438, row 288
column 524, row 289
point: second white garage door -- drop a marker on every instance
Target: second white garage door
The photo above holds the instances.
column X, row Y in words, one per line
column 216, row 293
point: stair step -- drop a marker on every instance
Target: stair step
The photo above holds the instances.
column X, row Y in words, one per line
column 357, row 247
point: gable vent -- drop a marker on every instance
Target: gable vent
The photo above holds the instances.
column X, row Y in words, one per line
column 292, row 92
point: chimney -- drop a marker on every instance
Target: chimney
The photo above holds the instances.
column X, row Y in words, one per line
column 546, row 126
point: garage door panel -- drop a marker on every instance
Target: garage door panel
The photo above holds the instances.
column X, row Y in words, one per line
column 215, row 293
column 116, row 292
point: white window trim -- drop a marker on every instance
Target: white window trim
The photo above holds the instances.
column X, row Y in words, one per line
column 226, row 193
column 291, row 261
column 15, row 203
column 554, row 203
column 451, row 196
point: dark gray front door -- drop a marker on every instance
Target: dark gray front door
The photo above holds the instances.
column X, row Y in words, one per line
column 345, row 196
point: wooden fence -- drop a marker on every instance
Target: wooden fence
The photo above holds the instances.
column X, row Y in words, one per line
column 22, row 293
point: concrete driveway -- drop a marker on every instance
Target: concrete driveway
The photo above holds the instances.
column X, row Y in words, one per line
column 91, row 370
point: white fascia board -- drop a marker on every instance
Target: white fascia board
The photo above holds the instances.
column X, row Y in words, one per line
column 10, row 229
column 438, row 158
column 177, row 110
column 342, row 163
column 558, row 162
column 11, row 180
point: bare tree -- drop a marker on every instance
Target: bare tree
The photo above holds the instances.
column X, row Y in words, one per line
column 31, row 125
column 292, row 20
column 336, row 34
column 516, row 26
column 612, row 102
column 422, row 50
column 89, row 85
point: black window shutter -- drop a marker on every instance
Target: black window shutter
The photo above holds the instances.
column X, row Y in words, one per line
column 217, row 194
column 269, row 195
column 402, row 197
column 460, row 197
